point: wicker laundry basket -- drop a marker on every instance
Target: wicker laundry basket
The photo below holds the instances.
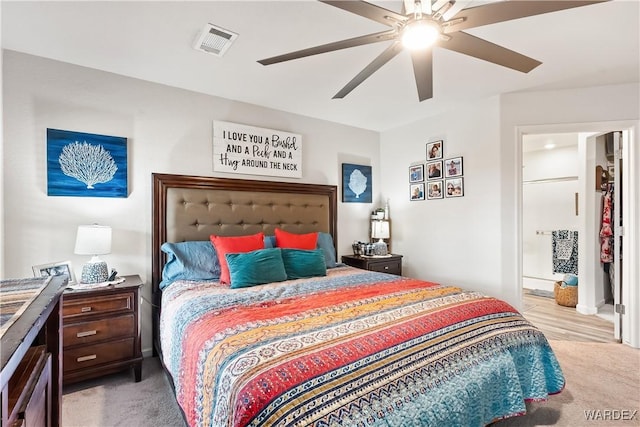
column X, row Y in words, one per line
column 565, row 295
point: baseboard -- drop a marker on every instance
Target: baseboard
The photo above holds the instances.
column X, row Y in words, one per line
column 147, row 352
column 535, row 283
column 583, row 309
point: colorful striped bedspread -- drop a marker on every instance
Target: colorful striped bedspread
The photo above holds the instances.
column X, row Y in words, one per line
column 354, row 348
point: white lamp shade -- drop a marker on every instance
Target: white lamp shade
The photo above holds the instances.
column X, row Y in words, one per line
column 380, row 229
column 93, row 240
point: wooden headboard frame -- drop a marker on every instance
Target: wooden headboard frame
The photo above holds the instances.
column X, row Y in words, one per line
column 194, row 207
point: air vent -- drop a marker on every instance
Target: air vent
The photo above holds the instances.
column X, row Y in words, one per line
column 214, row 40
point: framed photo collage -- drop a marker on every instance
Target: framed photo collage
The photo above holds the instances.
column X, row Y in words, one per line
column 438, row 177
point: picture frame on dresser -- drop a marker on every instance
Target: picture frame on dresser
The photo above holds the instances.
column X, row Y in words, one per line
column 61, row 268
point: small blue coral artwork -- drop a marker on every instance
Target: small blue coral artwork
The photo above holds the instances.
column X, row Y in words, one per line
column 356, row 183
column 86, row 165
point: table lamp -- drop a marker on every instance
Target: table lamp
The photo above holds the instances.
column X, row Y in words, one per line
column 93, row 240
column 380, row 231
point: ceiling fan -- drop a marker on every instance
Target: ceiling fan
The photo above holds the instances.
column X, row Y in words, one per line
column 423, row 25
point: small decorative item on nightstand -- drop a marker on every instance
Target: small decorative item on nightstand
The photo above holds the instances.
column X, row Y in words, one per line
column 93, row 240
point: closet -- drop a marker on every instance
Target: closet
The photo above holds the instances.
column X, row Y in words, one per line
column 608, row 184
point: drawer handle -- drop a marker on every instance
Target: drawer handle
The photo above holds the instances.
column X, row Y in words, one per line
column 386, row 267
column 86, row 334
column 85, row 358
column 85, row 309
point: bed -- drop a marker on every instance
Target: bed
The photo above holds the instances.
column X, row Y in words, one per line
column 342, row 346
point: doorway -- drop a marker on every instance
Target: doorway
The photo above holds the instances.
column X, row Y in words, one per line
column 559, row 185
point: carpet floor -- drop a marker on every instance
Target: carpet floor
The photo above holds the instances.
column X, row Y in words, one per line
column 603, row 389
column 117, row 401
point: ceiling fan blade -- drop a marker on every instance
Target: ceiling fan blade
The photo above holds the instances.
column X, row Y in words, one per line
column 507, row 10
column 329, row 47
column 482, row 49
column 423, row 72
column 368, row 10
column 382, row 59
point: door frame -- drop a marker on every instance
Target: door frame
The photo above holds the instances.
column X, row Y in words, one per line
column 631, row 243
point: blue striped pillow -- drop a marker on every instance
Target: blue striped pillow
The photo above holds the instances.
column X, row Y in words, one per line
column 193, row 260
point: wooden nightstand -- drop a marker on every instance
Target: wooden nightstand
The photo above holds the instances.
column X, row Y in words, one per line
column 391, row 264
column 101, row 331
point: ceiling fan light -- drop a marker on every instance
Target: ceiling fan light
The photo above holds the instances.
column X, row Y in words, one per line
column 420, row 35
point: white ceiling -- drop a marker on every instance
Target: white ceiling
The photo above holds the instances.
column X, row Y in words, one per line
column 538, row 142
column 151, row 40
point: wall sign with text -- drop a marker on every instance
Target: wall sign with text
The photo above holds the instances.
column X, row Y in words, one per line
column 256, row 151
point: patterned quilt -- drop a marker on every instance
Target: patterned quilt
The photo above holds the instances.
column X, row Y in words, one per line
column 354, row 348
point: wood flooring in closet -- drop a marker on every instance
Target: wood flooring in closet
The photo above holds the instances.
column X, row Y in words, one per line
column 565, row 323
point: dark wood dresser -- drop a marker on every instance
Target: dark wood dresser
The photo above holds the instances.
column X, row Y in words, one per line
column 31, row 348
column 390, row 264
column 101, row 332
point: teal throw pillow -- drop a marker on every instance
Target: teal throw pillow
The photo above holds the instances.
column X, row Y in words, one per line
column 256, row 267
column 302, row 263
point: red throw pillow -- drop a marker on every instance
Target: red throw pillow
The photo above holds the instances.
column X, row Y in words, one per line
column 234, row 244
column 284, row 239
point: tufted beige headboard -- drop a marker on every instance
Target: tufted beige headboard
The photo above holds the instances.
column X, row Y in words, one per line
column 194, row 207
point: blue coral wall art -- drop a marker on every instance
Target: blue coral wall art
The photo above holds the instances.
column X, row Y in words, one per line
column 86, row 165
column 356, row 183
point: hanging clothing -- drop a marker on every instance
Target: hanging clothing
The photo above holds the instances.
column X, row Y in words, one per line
column 564, row 246
column 606, row 231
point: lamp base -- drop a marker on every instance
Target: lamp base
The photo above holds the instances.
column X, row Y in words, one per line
column 95, row 272
column 380, row 248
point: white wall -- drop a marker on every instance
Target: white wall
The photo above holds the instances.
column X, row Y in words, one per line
column 559, row 162
column 169, row 131
column 450, row 240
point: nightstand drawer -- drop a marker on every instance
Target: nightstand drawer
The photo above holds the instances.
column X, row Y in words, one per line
column 98, row 305
column 391, row 266
column 98, row 330
column 97, row 354
column 101, row 330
